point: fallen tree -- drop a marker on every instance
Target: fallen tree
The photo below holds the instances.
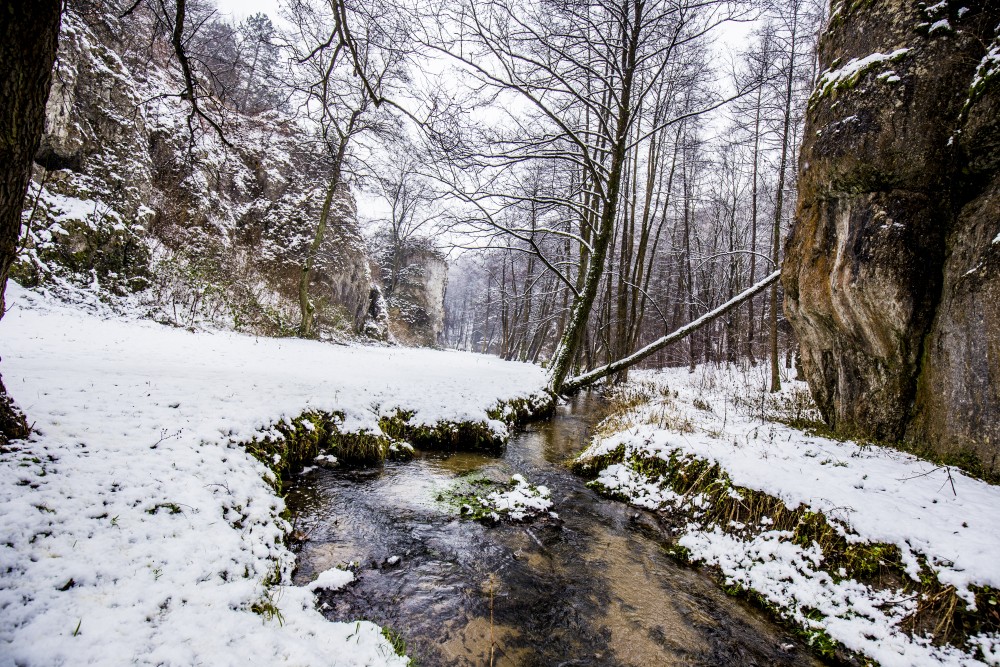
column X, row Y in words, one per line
column 590, row 377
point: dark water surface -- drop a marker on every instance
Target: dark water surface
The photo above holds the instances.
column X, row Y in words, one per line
column 592, row 588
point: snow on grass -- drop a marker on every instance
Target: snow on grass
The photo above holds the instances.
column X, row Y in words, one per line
column 873, row 494
column 132, row 530
column 791, row 576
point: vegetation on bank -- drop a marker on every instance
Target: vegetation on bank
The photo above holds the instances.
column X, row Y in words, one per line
column 291, row 444
column 703, row 497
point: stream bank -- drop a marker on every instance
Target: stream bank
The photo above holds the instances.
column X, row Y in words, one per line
column 593, row 587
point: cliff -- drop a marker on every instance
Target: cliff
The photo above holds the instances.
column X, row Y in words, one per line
column 892, row 269
column 416, row 307
column 133, row 203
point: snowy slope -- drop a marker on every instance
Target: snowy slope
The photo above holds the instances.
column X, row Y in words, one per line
column 880, row 494
column 131, row 532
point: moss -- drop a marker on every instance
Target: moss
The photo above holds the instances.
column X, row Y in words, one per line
column 469, row 497
column 443, row 436
column 522, row 410
column 464, row 497
column 590, row 467
column 297, row 442
column 941, row 613
column 300, row 440
column 99, row 249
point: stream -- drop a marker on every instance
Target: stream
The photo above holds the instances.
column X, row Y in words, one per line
column 594, row 587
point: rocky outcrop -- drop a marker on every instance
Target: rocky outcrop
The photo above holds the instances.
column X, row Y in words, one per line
column 127, row 199
column 892, row 269
column 416, row 308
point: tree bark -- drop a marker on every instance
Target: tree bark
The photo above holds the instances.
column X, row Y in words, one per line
column 572, row 336
column 29, row 33
column 306, row 306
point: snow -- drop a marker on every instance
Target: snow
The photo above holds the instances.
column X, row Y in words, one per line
column 622, row 480
column 863, row 619
column 331, row 580
column 849, row 73
column 134, row 528
column 518, row 503
column 940, row 25
column 875, row 494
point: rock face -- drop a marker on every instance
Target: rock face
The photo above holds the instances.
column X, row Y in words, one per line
column 416, row 308
column 125, row 201
column 892, row 269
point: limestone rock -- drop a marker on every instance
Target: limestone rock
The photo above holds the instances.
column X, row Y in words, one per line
column 891, row 273
column 126, row 199
column 416, row 308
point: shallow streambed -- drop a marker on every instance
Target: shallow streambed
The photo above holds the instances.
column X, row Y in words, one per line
column 592, row 588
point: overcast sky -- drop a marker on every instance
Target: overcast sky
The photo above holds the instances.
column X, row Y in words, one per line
column 240, row 9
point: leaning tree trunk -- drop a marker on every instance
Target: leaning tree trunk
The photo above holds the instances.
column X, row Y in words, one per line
column 29, row 34
column 572, row 336
column 590, row 377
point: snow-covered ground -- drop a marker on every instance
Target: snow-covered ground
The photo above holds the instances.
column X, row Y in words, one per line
column 875, row 494
column 133, row 530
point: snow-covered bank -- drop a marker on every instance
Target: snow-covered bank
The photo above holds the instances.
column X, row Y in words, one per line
column 132, row 530
column 937, row 518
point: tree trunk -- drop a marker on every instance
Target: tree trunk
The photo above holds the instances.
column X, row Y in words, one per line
column 29, row 33
column 753, row 224
column 305, row 303
column 779, row 201
column 569, row 343
column 590, row 377
column 306, row 306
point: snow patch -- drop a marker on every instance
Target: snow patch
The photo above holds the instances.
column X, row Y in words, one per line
column 849, row 73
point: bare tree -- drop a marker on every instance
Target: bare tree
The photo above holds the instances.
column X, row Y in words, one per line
column 583, row 74
column 413, row 212
column 343, row 104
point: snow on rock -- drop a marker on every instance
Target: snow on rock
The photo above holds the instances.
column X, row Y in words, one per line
column 132, row 530
column 849, row 73
column 516, row 500
column 519, row 502
column 880, row 494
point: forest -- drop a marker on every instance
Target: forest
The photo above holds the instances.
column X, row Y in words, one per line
column 528, row 332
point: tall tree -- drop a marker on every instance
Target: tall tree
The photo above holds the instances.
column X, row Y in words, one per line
column 786, row 127
column 584, row 72
column 342, row 104
column 29, row 35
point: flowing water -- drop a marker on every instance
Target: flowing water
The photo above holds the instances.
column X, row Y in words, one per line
column 592, row 588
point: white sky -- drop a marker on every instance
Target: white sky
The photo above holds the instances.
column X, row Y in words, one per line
column 240, row 9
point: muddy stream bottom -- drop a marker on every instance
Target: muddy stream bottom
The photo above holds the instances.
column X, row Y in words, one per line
column 592, row 588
